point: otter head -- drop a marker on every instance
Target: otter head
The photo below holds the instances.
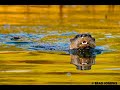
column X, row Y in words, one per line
column 82, row 41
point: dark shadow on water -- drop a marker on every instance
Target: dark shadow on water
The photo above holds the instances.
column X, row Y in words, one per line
column 18, row 43
column 83, row 59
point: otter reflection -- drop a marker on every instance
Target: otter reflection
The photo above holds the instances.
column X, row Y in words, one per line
column 83, row 59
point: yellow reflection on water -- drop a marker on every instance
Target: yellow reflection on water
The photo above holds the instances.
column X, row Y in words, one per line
column 35, row 67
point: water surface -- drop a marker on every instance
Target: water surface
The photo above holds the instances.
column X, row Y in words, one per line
column 41, row 56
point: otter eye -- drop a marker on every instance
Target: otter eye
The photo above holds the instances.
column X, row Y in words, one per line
column 82, row 35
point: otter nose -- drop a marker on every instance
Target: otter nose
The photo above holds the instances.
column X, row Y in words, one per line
column 84, row 42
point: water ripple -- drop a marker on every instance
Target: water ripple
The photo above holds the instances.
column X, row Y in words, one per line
column 33, row 41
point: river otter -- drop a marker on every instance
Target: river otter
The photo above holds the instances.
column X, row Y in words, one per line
column 82, row 41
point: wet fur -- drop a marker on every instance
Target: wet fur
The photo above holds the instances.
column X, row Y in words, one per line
column 78, row 39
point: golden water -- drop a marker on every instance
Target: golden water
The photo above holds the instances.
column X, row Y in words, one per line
column 18, row 66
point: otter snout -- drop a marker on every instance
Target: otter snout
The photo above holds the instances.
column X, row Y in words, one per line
column 84, row 42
